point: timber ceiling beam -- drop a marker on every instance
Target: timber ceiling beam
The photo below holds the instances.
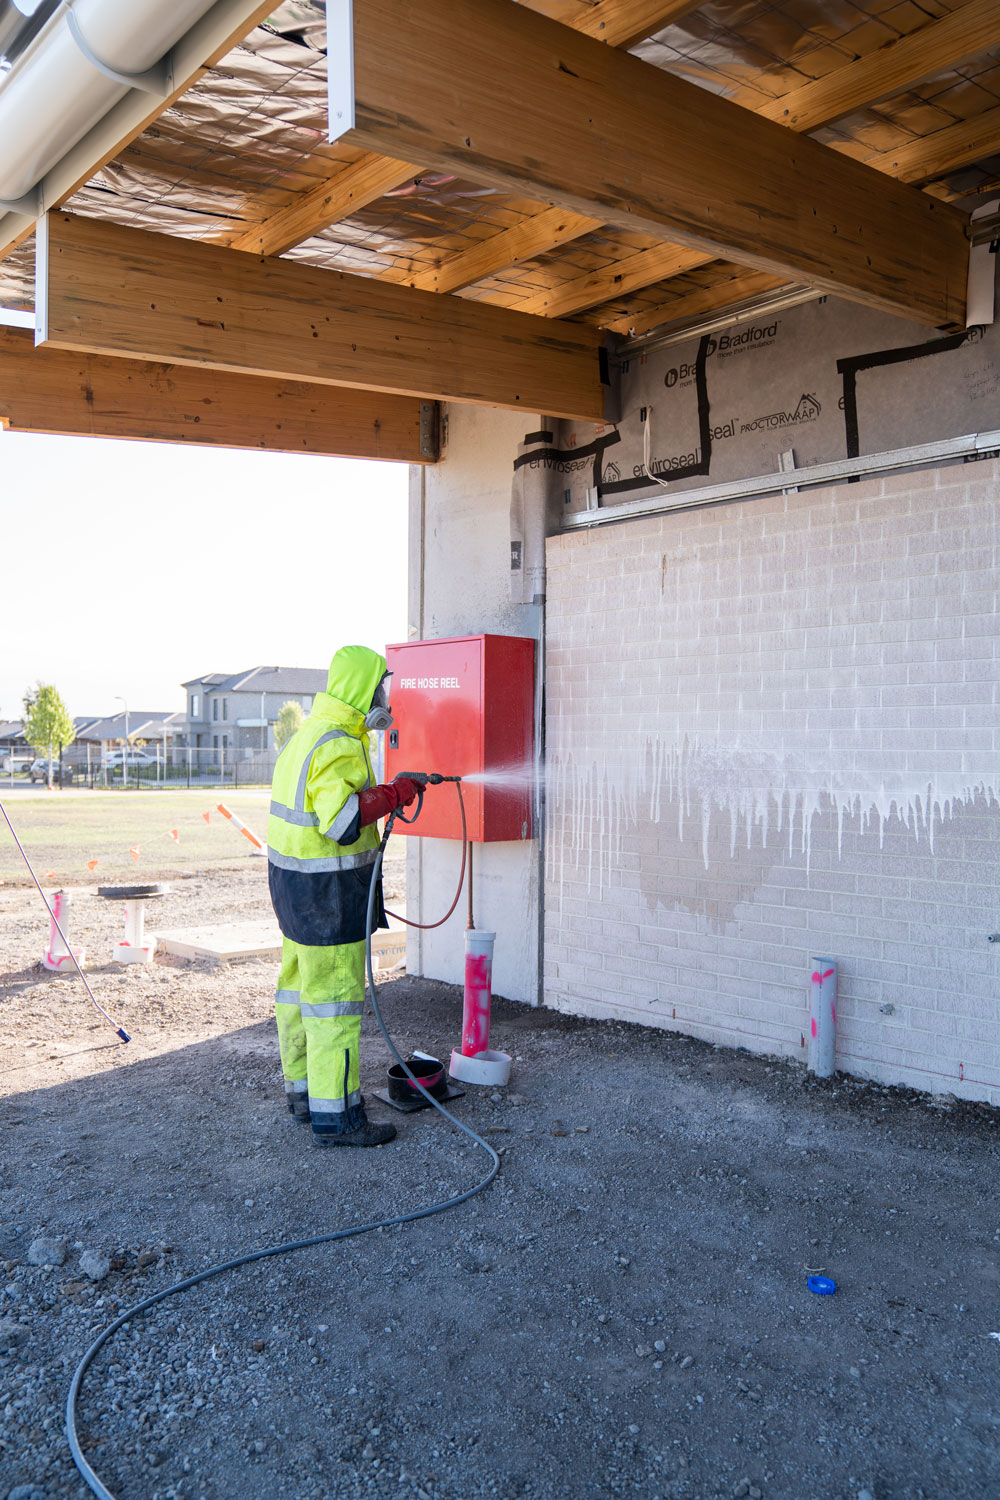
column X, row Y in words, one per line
column 217, row 33
column 90, row 395
column 538, row 109
column 105, row 289
column 940, row 44
column 619, row 23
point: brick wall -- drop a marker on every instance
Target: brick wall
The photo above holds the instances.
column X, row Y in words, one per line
column 772, row 733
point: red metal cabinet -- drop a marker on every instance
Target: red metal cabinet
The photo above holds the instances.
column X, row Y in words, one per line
column 464, row 707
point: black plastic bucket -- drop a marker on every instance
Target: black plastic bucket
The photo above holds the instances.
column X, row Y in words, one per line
column 430, row 1072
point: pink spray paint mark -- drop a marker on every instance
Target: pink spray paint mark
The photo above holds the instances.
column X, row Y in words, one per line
column 833, row 1012
column 818, row 977
column 476, row 1017
column 812, row 1027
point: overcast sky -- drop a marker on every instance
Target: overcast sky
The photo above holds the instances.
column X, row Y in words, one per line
column 131, row 567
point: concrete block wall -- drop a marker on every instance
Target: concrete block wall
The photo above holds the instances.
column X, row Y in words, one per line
column 460, row 585
column 772, row 733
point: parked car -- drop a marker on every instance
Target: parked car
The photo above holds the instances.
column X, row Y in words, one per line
column 114, row 758
column 39, row 771
column 18, row 762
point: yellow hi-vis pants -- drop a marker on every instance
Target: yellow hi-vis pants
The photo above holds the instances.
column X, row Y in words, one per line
column 320, row 998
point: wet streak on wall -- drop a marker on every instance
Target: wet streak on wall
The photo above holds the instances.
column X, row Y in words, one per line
column 773, row 731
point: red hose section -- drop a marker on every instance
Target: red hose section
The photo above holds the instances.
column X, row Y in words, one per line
column 427, row 926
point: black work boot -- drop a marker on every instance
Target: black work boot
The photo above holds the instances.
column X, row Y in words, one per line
column 358, row 1131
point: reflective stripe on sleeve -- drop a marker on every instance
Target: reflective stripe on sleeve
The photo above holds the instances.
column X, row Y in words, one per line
column 291, row 815
column 334, row 1008
column 286, row 997
column 300, row 791
column 334, row 1106
column 343, row 820
column 324, row 864
column 296, row 1086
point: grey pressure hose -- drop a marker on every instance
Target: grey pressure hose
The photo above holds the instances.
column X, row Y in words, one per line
column 89, row 1475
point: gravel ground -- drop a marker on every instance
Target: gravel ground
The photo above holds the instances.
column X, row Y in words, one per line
column 624, row 1312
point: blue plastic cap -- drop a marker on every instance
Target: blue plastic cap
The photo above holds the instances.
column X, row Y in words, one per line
column 822, row 1286
column 123, row 1034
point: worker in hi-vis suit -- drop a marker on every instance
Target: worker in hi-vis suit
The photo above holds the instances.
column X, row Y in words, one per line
column 322, row 843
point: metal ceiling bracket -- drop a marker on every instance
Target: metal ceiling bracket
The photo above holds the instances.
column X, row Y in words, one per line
column 158, row 80
column 339, row 67
column 430, row 430
column 30, row 204
column 980, row 301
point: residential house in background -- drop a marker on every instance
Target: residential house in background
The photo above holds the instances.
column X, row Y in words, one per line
column 236, row 711
column 97, row 734
column 145, row 728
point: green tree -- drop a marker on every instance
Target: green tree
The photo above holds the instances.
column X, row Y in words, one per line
column 48, row 727
column 290, row 718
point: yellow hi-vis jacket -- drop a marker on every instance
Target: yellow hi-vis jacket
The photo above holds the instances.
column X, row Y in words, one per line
column 319, row 857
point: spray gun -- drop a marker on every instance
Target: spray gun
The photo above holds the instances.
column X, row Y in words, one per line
column 421, row 779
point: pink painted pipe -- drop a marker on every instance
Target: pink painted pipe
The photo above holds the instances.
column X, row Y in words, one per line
column 822, row 1016
column 478, row 987
column 57, row 956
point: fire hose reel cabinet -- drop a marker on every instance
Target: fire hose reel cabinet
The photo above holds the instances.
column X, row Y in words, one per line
column 466, row 707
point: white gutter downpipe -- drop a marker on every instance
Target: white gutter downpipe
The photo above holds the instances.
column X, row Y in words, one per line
column 79, row 66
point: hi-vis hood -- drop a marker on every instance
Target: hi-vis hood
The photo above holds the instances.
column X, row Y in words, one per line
column 355, row 673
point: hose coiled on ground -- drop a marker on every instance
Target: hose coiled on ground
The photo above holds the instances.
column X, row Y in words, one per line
column 87, row 1472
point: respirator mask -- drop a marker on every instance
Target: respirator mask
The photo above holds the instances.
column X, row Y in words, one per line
column 378, row 716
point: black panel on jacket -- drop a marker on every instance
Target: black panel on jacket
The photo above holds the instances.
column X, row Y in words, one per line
column 323, row 910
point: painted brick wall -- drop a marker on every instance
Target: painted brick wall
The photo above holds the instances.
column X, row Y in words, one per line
column 772, row 733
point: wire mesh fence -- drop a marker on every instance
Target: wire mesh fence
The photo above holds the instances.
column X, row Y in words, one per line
column 152, row 766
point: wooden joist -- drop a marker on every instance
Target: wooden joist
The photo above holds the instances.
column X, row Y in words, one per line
column 618, row 23
column 697, row 304
column 942, row 44
column 333, row 199
column 944, row 151
column 544, row 111
column 533, row 236
column 90, row 395
column 616, row 280
column 110, row 290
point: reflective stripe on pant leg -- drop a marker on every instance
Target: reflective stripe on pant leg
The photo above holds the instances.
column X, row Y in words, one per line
column 331, row 982
column 291, row 1033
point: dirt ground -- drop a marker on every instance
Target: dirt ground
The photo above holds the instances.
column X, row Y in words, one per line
column 623, row 1313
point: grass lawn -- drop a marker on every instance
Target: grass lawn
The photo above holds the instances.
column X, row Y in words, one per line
column 62, row 830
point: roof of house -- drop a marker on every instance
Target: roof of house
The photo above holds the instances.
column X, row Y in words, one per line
column 265, row 680
column 142, row 724
column 13, row 729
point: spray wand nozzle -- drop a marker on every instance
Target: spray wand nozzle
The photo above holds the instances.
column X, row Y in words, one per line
column 425, row 778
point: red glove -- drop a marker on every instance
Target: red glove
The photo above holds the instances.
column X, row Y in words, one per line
column 379, row 801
